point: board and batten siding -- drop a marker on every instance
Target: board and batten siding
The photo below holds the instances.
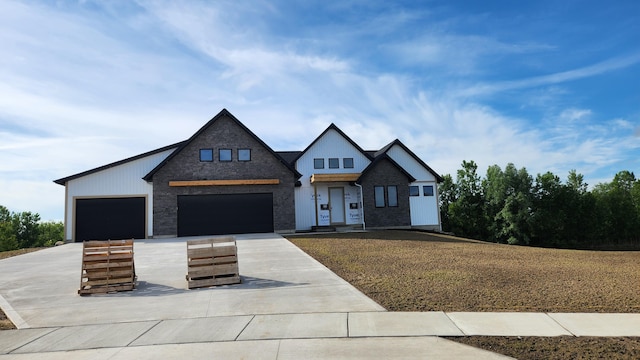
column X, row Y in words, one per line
column 330, row 145
column 410, row 165
column 124, row 180
column 424, row 209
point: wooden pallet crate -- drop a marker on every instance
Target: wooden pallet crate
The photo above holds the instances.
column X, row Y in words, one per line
column 107, row 266
column 212, row 262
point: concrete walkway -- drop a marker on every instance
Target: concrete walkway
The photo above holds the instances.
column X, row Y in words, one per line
column 288, row 306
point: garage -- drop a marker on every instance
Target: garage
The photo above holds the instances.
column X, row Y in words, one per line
column 225, row 214
column 110, row 218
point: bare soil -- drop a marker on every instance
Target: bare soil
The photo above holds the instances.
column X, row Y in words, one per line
column 416, row 271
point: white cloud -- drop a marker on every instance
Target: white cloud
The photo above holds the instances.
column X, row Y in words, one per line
column 608, row 65
column 85, row 88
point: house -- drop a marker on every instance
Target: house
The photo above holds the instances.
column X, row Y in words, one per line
column 226, row 180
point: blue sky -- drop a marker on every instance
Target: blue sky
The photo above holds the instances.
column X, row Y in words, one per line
column 546, row 85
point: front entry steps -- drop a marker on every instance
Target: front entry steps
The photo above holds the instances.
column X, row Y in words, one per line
column 337, row 228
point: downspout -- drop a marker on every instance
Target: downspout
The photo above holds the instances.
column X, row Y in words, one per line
column 364, row 227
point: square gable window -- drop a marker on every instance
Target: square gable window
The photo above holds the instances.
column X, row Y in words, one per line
column 427, row 190
column 206, row 154
column 414, row 191
column 224, row 154
column 318, row 163
column 334, row 163
column 244, row 154
column 347, row 163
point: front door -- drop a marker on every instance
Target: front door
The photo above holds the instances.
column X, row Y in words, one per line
column 336, row 205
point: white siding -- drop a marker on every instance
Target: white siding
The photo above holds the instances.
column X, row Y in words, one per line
column 424, row 209
column 410, row 164
column 330, row 145
column 122, row 180
column 305, row 216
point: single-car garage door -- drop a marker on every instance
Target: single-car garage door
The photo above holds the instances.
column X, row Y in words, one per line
column 110, row 218
column 225, row 214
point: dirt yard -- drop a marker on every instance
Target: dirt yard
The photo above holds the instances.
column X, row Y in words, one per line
column 414, row 271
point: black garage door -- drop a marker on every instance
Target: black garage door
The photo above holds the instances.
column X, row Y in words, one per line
column 110, row 218
column 225, row 214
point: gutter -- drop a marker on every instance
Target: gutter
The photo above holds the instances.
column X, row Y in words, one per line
column 364, row 227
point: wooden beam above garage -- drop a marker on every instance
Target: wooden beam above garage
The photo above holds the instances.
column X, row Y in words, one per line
column 334, row 177
column 225, row 182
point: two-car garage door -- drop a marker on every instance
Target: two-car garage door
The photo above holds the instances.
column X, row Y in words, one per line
column 225, row 214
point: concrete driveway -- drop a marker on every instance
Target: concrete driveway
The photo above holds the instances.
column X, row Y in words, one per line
column 39, row 289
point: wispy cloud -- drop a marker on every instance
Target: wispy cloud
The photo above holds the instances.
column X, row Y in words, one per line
column 556, row 78
column 84, row 84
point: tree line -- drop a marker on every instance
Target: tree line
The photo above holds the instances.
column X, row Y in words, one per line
column 510, row 206
column 25, row 230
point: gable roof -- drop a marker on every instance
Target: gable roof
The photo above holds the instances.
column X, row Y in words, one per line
column 64, row 180
column 380, row 158
column 222, row 113
column 333, row 127
column 385, row 149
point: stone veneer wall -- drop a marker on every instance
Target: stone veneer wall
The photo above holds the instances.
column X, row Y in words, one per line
column 384, row 174
column 223, row 133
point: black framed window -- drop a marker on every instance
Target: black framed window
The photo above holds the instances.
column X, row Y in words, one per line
column 414, row 191
column 244, row 154
column 206, row 154
column 347, row 163
column 224, row 154
column 427, row 190
column 318, row 163
column 334, row 163
column 392, row 195
column 378, row 195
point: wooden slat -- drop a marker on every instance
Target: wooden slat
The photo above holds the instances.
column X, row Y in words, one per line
column 212, row 262
column 211, row 252
column 214, row 282
column 107, row 266
column 213, row 270
column 334, row 177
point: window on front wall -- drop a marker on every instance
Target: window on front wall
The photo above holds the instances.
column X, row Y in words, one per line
column 318, row 163
column 427, row 190
column 224, row 154
column 244, row 154
column 347, row 163
column 206, row 154
column 414, row 191
column 378, row 195
column 392, row 195
column 334, row 163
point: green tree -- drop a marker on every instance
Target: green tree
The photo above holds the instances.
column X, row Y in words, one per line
column 26, row 228
column 7, row 233
column 50, row 232
column 495, row 191
column 514, row 217
column 549, row 213
column 617, row 209
column 466, row 212
column 447, row 196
